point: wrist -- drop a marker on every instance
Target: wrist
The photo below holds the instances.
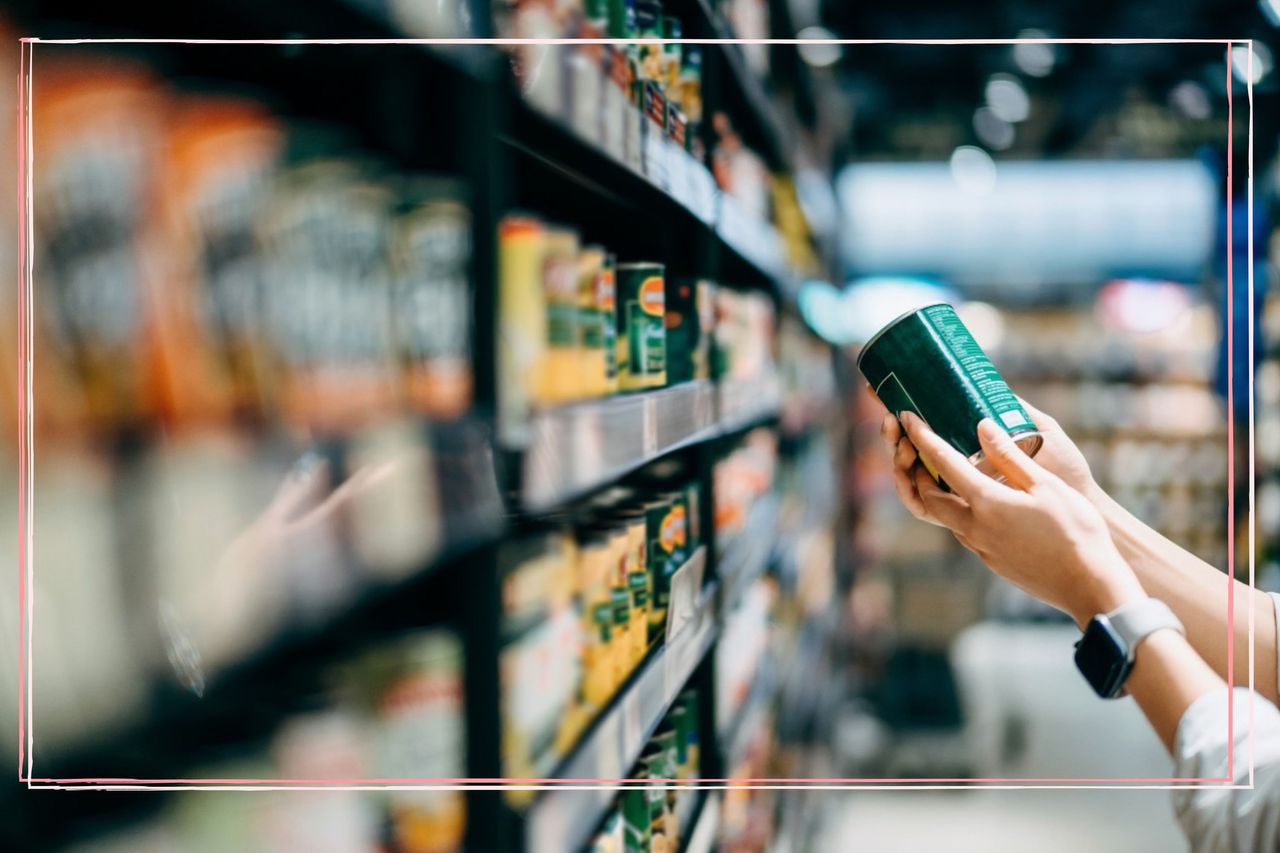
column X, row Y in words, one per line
column 1106, row 590
column 1101, row 501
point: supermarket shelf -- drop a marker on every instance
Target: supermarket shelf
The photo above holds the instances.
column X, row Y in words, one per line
column 564, row 819
column 751, row 716
column 746, row 556
column 577, row 448
column 278, row 674
column 754, row 240
column 745, row 403
column 242, row 704
column 241, row 19
column 746, row 92
column 706, row 822
column 671, row 184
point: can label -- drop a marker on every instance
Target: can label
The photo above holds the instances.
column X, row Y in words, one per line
column 655, row 105
column 645, row 329
column 927, row 362
column 685, row 344
column 642, row 344
column 635, row 819
column 672, row 535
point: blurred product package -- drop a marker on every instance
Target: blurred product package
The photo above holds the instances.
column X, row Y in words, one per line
column 241, row 326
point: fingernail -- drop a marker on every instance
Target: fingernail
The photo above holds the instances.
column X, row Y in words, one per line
column 908, row 418
column 988, row 428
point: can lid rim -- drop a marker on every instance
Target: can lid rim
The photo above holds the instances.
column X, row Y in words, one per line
column 895, row 321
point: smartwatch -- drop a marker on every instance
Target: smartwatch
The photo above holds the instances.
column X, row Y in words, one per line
column 1105, row 654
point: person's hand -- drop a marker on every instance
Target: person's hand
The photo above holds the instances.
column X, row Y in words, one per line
column 1034, row 530
column 1058, row 454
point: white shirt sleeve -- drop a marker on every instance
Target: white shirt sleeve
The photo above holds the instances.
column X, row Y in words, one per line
column 1275, row 605
column 1216, row 816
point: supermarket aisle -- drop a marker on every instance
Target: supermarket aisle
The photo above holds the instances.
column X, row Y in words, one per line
column 1028, row 686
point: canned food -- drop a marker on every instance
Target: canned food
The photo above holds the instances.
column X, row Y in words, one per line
column 927, row 362
column 591, row 332
column 636, row 825
column 656, row 761
column 560, row 381
column 649, row 56
column 621, row 634
column 642, row 336
column 686, row 348
column 607, row 308
column 637, row 577
column 522, row 329
column 667, row 534
column 688, row 700
column 597, row 610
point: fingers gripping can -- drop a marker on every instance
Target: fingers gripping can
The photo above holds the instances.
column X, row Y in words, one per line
column 927, row 362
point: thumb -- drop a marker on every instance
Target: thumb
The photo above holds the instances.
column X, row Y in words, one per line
column 1018, row 469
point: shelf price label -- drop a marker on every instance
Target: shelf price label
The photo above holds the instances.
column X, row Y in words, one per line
column 649, row 428
column 613, row 743
column 703, row 192
column 656, row 166
column 632, row 731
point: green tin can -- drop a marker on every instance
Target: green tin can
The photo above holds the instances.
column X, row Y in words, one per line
column 927, row 362
column 688, row 700
column 642, row 334
column 656, row 760
column 657, row 559
column 666, row 531
column 636, row 825
column 684, row 330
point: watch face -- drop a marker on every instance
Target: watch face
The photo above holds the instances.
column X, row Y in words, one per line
column 1102, row 658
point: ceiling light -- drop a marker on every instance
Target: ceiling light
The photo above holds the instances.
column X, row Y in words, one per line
column 1270, row 11
column 1007, row 99
column 1241, row 67
column 1037, row 58
column 993, row 131
column 820, row 51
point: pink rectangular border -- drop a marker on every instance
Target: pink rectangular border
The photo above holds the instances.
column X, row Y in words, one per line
column 25, row 450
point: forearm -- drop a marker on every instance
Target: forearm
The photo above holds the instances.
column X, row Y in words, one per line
column 1167, row 677
column 1198, row 594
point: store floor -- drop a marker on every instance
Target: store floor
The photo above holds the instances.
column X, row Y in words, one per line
column 1029, row 715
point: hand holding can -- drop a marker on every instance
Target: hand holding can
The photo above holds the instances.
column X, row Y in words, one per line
column 927, row 362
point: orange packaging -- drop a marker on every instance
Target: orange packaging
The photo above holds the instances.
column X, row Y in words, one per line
column 98, row 125
column 328, row 296
column 220, row 156
column 10, row 280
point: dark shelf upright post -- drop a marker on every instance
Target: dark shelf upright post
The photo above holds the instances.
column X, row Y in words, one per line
column 478, row 116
